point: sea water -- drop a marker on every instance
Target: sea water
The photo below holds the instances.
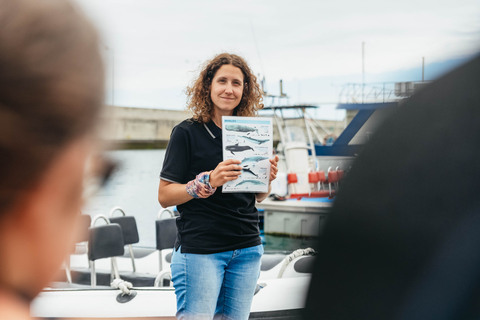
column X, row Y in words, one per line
column 134, row 188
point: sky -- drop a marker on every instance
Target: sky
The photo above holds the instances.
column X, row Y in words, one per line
column 153, row 48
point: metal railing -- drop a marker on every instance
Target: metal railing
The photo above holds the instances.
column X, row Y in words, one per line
column 378, row 92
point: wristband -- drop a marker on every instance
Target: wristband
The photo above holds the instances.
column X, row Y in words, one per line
column 200, row 186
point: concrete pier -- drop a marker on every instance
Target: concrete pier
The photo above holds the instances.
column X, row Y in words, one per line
column 127, row 127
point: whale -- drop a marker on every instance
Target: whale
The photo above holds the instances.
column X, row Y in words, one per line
column 239, row 128
column 246, row 169
column 256, row 141
column 237, row 148
column 254, row 159
column 255, row 182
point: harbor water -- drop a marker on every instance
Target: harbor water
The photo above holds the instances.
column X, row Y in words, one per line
column 134, row 188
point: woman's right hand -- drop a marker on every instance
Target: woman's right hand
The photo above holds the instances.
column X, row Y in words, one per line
column 225, row 171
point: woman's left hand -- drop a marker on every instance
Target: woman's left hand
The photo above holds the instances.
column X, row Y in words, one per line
column 273, row 168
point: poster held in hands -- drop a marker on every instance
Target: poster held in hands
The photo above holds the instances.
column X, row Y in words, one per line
column 250, row 140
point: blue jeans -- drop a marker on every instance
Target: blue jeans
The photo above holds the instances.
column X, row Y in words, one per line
column 219, row 285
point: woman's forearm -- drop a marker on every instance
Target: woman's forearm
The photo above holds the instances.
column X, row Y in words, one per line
column 262, row 196
column 172, row 194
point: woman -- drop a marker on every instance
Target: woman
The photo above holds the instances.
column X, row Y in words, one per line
column 216, row 261
column 51, row 91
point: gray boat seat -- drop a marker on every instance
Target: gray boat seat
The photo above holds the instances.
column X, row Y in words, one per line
column 129, row 228
column 304, row 265
column 271, row 260
column 107, row 241
column 166, row 234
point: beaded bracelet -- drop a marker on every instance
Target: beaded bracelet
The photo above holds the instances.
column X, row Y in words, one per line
column 200, row 186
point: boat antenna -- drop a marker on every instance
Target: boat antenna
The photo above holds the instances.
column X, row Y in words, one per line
column 256, row 47
column 423, row 69
column 282, row 94
column 363, row 71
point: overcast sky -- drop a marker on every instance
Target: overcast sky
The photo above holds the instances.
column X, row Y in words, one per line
column 154, row 47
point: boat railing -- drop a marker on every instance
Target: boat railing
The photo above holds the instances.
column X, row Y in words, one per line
column 378, row 92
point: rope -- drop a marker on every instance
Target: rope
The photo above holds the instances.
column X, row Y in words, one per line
column 124, row 286
column 292, row 256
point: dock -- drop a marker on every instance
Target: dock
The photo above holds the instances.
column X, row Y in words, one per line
column 131, row 127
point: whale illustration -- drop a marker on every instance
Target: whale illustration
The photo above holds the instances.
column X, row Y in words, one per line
column 236, row 148
column 246, row 169
column 256, row 141
column 255, row 182
column 239, row 128
column 254, row 159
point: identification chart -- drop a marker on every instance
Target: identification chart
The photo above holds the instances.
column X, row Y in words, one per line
column 249, row 139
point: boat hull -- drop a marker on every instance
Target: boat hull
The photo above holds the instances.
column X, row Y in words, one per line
column 279, row 299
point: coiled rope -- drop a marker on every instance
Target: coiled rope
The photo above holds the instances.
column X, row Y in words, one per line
column 295, row 254
column 123, row 285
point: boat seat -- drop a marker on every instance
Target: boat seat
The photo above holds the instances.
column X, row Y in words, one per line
column 129, row 231
column 269, row 261
column 313, row 177
column 341, row 175
column 321, row 176
column 107, row 241
column 129, row 228
column 304, row 265
column 166, row 234
column 332, row 177
column 168, row 257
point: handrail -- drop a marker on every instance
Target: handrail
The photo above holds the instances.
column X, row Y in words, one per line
column 162, row 275
column 160, row 213
column 99, row 216
column 116, row 209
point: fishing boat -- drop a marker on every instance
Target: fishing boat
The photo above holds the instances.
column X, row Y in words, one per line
column 310, row 170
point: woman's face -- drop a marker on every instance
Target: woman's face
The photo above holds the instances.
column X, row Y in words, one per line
column 226, row 89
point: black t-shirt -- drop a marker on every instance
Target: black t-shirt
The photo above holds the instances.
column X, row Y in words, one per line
column 221, row 222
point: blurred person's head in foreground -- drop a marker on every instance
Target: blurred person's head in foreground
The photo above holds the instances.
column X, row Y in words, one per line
column 51, row 91
column 403, row 237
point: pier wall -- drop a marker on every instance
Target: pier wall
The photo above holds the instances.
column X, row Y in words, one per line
column 141, row 127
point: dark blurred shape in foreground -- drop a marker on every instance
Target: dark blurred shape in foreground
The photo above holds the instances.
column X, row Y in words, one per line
column 402, row 240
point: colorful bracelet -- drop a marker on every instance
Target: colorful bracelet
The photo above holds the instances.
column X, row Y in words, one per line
column 200, row 186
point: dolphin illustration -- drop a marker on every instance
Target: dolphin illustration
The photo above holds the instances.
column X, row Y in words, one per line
column 256, row 141
column 254, row 159
column 246, row 169
column 237, row 148
column 240, row 128
column 255, row 182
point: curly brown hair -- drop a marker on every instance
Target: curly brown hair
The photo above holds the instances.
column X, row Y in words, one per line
column 198, row 93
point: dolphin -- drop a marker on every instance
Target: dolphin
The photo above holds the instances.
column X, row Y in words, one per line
column 237, row 148
column 254, row 159
column 256, row 141
column 239, row 128
column 255, row 182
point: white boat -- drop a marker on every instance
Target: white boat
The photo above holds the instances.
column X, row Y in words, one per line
column 281, row 288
